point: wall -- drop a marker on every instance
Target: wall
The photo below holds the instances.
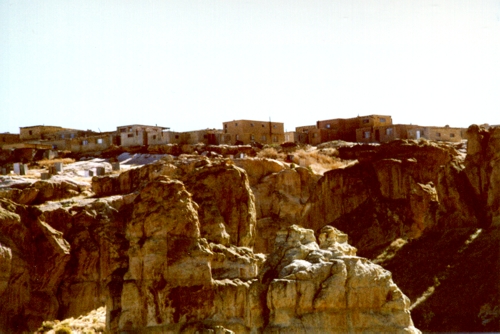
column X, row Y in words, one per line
column 303, row 133
column 383, row 134
column 37, row 132
column 291, row 136
column 84, row 144
column 444, row 133
column 246, row 132
column 139, row 135
column 9, row 138
column 346, row 129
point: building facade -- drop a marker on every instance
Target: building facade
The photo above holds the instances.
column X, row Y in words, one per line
column 248, row 132
column 9, row 138
column 140, row 135
column 384, row 134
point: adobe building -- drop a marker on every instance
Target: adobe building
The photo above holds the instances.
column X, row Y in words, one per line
column 37, row 132
column 51, row 133
column 247, row 132
column 308, row 134
column 291, row 136
column 140, row 135
column 88, row 143
column 436, row 133
column 384, row 134
column 206, row 136
column 9, row 138
column 345, row 129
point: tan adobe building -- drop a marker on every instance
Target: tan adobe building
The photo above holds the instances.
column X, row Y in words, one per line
column 9, row 138
column 247, row 132
column 436, row 133
column 206, row 136
column 139, row 135
column 308, row 134
column 291, row 136
column 37, row 132
column 383, row 134
column 339, row 129
column 43, row 132
column 88, row 143
column 345, row 129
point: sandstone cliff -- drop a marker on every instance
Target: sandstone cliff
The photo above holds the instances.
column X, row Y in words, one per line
column 143, row 255
column 174, row 245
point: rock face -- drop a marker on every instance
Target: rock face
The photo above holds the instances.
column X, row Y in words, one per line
column 326, row 288
column 42, row 191
column 483, row 170
column 280, row 196
column 396, row 190
column 144, row 257
column 225, row 202
column 34, row 256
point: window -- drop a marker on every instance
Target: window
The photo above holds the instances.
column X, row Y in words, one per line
column 235, row 124
column 388, row 131
column 99, row 140
column 275, row 139
column 225, row 126
column 205, row 136
column 264, row 138
column 328, row 126
column 315, row 135
column 274, row 126
column 154, row 136
column 176, row 136
column 263, row 125
column 31, row 132
column 72, row 135
column 123, row 130
column 130, row 135
column 382, row 120
column 438, row 134
column 366, row 120
column 85, row 142
column 251, row 124
column 366, row 134
column 252, row 137
column 62, row 136
column 237, row 137
column 452, row 135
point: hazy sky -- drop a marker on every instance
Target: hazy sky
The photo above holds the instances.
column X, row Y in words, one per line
column 191, row 65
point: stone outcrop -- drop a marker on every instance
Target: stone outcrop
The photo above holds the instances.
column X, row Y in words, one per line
column 280, row 196
column 326, row 288
column 42, row 191
column 225, row 202
column 34, row 256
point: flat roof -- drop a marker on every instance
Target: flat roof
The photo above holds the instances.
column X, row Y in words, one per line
column 249, row 120
column 40, row 126
column 150, row 126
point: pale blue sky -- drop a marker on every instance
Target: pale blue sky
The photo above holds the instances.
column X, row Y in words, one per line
column 192, row 65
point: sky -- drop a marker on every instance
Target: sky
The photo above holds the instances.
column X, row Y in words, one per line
column 191, row 65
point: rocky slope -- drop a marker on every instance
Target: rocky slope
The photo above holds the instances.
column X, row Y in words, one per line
column 176, row 245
